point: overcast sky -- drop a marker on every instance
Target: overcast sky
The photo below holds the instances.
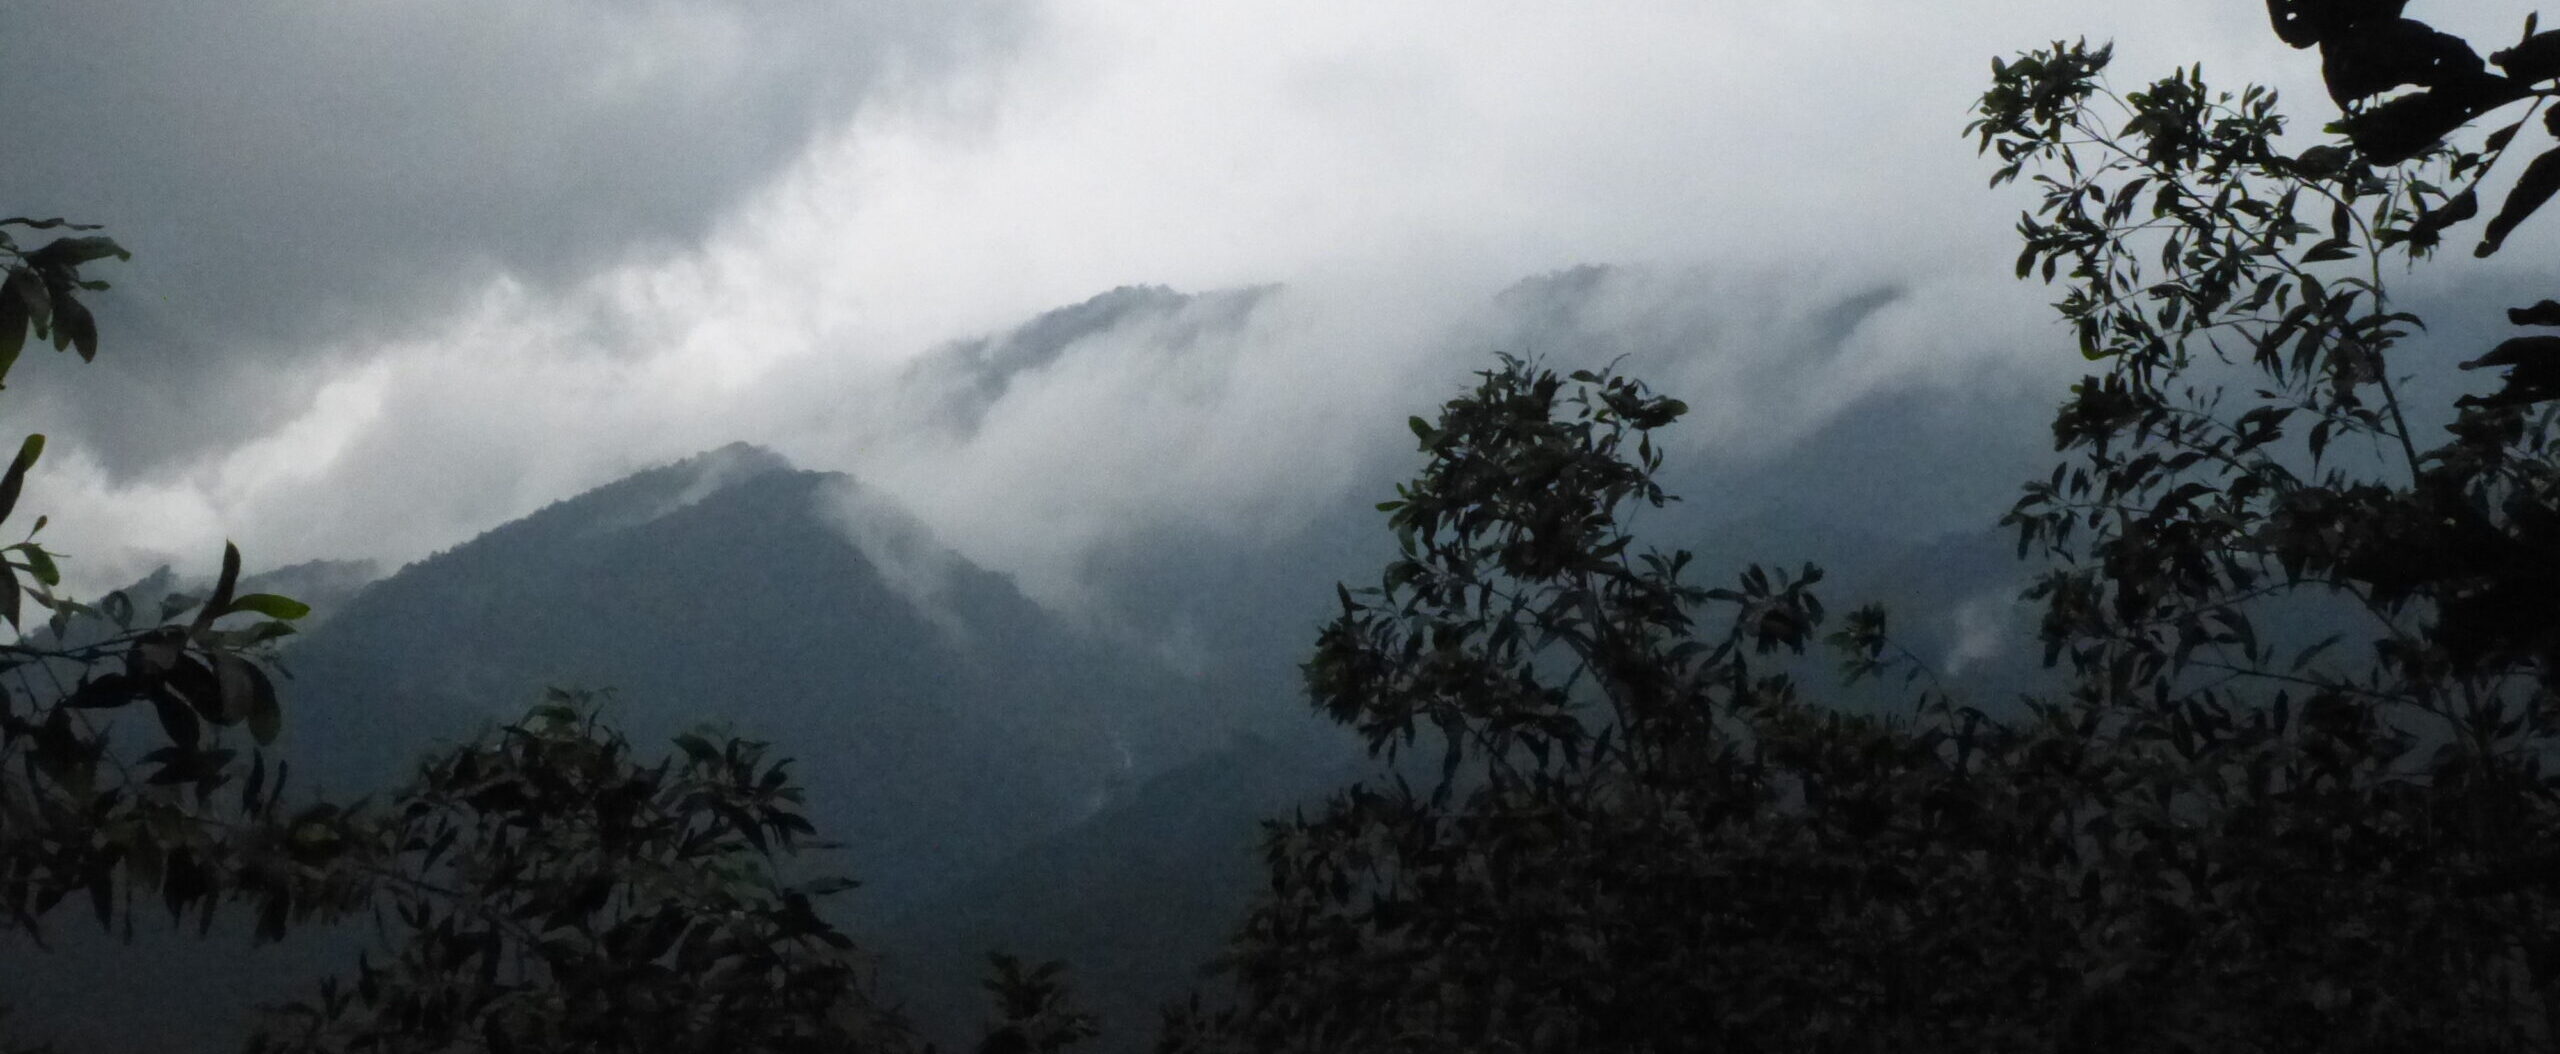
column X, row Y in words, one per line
column 406, row 270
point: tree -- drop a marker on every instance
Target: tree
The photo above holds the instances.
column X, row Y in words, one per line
column 2222, row 828
column 1636, row 836
column 544, row 891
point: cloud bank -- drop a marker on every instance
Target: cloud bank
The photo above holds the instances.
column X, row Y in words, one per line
column 505, row 254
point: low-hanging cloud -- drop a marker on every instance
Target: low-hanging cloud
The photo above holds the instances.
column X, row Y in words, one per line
column 302, row 178
column 1792, row 219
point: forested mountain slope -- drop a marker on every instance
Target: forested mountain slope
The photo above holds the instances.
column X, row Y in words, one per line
column 940, row 718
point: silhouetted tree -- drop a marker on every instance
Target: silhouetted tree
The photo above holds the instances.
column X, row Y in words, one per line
column 2225, row 827
column 542, row 890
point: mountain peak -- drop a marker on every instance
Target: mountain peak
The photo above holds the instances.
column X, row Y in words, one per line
column 973, row 375
column 740, row 454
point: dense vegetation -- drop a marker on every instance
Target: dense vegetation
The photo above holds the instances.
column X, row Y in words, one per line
column 2283, row 790
column 2286, row 791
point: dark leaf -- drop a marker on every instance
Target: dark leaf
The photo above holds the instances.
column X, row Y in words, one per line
column 256, row 783
column 48, row 224
column 106, row 691
column 74, row 327
column 2535, row 186
column 220, row 601
column 2516, row 352
column 201, row 687
column 2430, row 224
column 16, row 479
column 72, row 252
column 2545, row 313
column 2380, row 56
column 176, row 720
column 266, row 716
column 14, row 319
column 238, row 680
column 2536, row 58
column 2303, row 23
column 2395, row 131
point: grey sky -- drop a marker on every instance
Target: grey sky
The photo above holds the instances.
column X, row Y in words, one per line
column 408, row 270
column 301, row 179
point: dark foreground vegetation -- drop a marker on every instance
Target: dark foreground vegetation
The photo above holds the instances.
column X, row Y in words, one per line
column 2283, row 789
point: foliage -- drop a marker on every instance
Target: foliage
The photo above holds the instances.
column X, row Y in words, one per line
column 187, row 823
column 544, row 890
column 1033, row 1010
column 1590, row 795
column 2210, row 835
column 37, row 288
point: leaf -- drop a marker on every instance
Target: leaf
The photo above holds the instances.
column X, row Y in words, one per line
column 270, row 605
column 32, row 296
column 39, row 563
column 237, row 680
column 2535, row 186
column 266, row 717
column 2456, row 209
column 72, row 252
column 2402, row 128
column 201, row 687
column 176, row 720
column 36, row 224
column 2535, row 58
column 220, row 601
column 2380, row 55
column 2517, row 351
column 74, row 326
column 698, row 748
column 2545, row 313
column 2499, row 139
column 257, row 782
column 104, row 692
column 14, row 319
column 16, row 478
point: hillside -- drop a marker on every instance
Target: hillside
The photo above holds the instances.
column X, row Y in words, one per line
column 940, row 719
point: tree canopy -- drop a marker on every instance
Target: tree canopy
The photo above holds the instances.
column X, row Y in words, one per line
column 2285, row 790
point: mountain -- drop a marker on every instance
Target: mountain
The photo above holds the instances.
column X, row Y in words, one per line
column 939, row 718
column 967, row 377
column 999, row 778
column 1135, row 900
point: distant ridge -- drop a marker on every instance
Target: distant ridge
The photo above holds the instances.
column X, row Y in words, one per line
column 969, row 376
column 938, row 728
